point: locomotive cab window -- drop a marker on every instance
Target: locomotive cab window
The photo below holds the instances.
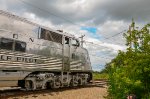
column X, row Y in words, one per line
column 75, row 42
column 20, row 46
column 66, row 40
column 6, row 44
column 51, row 36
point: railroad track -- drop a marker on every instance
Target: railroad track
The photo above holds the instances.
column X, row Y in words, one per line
column 6, row 93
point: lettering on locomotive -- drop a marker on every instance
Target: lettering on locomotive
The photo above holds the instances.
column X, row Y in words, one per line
column 19, row 59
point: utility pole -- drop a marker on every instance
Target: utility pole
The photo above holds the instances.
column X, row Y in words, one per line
column 82, row 40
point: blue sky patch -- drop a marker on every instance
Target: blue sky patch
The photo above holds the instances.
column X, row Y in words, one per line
column 92, row 31
column 98, row 67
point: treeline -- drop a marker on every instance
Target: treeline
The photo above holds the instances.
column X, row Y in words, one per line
column 100, row 75
column 129, row 72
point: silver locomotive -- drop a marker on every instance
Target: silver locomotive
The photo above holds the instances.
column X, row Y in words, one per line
column 36, row 57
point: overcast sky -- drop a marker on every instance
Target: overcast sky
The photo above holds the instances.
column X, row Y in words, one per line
column 98, row 20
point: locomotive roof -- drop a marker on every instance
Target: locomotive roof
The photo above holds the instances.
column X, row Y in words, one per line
column 8, row 14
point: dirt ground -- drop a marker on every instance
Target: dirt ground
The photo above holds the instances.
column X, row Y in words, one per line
column 98, row 91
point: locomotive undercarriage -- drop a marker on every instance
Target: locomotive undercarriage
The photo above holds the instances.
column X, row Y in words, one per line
column 53, row 80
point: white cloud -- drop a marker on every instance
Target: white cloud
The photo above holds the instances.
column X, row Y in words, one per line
column 3, row 4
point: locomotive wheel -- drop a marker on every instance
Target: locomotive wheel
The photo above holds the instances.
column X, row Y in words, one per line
column 56, row 84
column 79, row 82
column 73, row 83
column 48, row 85
column 29, row 85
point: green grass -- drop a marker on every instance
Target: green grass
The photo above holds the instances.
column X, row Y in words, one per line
column 97, row 75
